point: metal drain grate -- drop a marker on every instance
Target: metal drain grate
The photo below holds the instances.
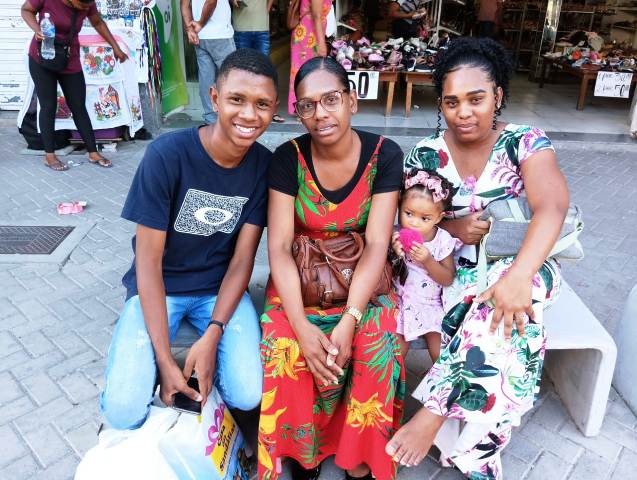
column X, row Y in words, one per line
column 36, row 240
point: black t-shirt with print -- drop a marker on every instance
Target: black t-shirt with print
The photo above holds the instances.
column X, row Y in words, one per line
column 200, row 205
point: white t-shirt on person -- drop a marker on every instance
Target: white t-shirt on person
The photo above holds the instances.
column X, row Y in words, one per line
column 220, row 23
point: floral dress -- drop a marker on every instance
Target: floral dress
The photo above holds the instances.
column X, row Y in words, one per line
column 354, row 419
column 421, row 297
column 303, row 43
column 480, row 378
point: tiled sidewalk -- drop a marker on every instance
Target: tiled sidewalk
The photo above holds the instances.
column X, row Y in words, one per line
column 56, row 320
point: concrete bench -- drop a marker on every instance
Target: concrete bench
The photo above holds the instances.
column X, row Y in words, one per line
column 580, row 360
column 580, row 356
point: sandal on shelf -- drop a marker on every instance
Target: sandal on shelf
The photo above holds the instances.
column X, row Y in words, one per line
column 102, row 162
column 57, row 166
column 301, row 473
column 278, row 118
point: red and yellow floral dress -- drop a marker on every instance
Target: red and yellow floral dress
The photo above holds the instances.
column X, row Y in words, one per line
column 354, row 419
column 304, row 42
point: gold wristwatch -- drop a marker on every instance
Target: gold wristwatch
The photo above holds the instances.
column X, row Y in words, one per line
column 354, row 312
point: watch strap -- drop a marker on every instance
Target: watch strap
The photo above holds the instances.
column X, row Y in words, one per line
column 219, row 324
column 354, row 312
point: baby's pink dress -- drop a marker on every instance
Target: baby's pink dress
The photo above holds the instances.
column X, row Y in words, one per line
column 420, row 298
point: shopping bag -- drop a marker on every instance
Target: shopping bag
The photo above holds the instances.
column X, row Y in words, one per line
column 209, row 446
column 127, row 454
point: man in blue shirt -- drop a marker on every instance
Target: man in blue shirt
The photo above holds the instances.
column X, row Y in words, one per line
column 199, row 200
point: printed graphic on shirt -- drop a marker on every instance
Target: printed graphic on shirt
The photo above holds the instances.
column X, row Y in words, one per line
column 204, row 213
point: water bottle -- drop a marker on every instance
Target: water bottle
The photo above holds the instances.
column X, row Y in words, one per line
column 48, row 30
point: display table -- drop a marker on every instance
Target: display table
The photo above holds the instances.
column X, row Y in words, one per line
column 584, row 75
column 391, row 78
column 415, row 78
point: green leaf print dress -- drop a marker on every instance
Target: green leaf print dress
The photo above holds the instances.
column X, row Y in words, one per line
column 480, row 378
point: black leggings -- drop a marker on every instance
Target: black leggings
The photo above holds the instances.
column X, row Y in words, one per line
column 74, row 89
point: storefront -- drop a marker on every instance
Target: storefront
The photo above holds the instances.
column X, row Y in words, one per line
column 588, row 45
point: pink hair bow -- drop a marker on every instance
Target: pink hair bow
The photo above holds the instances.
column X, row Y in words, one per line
column 433, row 184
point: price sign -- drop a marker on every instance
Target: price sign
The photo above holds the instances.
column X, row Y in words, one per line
column 613, row 84
column 364, row 83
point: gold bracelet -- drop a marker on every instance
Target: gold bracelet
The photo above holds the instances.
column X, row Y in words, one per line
column 354, row 312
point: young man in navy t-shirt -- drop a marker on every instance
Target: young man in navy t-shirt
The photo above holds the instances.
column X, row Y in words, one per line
column 199, row 201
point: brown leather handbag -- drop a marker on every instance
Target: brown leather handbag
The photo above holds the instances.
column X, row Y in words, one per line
column 326, row 268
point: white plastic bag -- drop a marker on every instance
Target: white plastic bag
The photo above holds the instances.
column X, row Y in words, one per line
column 130, row 454
column 330, row 28
column 209, row 446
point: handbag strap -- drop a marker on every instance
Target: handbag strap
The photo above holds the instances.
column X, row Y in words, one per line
column 516, row 211
column 561, row 245
column 481, row 284
column 72, row 31
column 359, row 244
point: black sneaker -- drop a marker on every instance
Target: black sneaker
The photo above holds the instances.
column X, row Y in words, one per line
column 301, row 473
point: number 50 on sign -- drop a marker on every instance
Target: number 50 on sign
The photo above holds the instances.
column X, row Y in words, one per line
column 613, row 84
column 364, row 83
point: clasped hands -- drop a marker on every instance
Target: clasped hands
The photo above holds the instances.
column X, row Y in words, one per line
column 192, row 30
column 326, row 357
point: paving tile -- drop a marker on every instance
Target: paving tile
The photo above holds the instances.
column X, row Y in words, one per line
column 42, row 415
column 78, row 388
column 427, row 469
column 41, row 388
column 8, row 344
column 551, row 413
column 536, row 434
column 14, row 359
column 70, row 343
column 625, row 467
column 38, row 364
column 12, row 446
column 513, row 467
column 21, row 469
column 600, row 444
column 9, row 388
column 619, row 433
column 100, row 340
column 36, row 343
column 83, row 438
column 15, row 408
column 47, row 445
column 72, row 364
column 549, row 466
column 63, row 469
column 78, row 415
column 590, row 466
column 523, row 449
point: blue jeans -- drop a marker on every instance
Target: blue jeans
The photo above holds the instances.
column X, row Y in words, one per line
column 211, row 52
column 257, row 40
column 132, row 371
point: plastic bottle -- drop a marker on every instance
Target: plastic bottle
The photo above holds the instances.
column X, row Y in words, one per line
column 48, row 30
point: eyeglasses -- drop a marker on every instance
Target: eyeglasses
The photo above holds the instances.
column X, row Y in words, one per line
column 330, row 101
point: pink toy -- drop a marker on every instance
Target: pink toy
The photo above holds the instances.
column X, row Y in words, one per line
column 67, row 208
column 408, row 237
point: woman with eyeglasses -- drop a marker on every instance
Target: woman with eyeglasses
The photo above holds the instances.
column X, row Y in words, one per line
column 333, row 378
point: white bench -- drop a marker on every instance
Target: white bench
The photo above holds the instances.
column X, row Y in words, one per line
column 580, row 356
column 580, row 360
